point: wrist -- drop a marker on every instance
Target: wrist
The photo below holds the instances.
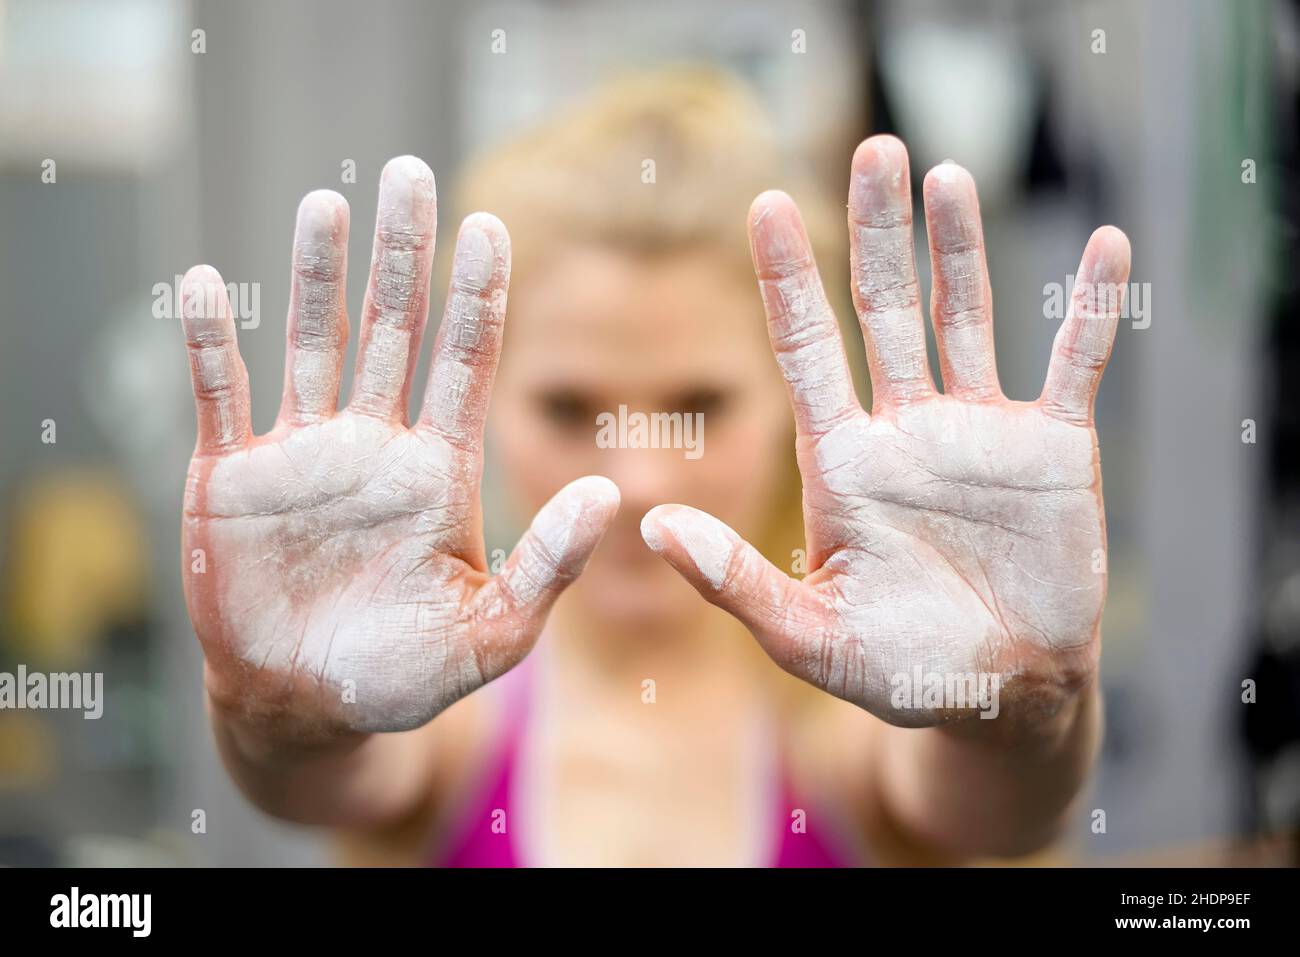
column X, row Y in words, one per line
column 1032, row 719
column 260, row 731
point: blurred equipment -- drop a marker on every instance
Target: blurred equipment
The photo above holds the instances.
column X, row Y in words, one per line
column 77, row 563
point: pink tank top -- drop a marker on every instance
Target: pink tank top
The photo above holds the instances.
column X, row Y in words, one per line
column 484, row 832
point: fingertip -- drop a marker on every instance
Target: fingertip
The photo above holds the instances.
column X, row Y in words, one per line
column 1113, row 239
column 407, row 168
column 203, row 294
column 475, row 260
column 1108, row 254
column 486, row 222
column 201, row 275
column 952, row 217
column 652, row 529
column 322, row 211
column 880, row 186
column 947, row 178
column 572, row 523
column 881, row 152
column 767, row 204
column 406, row 187
column 325, row 199
column 706, row 541
column 778, row 241
column 599, row 493
column 320, row 238
column 490, row 237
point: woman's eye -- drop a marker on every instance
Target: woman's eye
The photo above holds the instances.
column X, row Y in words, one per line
column 565, row 410
column 703, row 401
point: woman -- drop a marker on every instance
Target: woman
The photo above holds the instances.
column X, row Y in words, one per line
column 337, row 578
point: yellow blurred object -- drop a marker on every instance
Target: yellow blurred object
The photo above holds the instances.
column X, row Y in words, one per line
column 28, row 750
column 76, row 562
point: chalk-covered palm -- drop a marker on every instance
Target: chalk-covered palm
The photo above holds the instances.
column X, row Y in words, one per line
column 959, row 532
column 335, row 568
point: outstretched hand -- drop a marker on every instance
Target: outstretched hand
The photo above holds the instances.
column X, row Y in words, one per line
column 957, row 532
column 334, row 568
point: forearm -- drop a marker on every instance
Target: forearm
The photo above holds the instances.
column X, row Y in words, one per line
column 348, row 780
column 985, row 788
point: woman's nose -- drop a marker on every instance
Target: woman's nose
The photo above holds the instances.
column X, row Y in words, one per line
column 645, row 477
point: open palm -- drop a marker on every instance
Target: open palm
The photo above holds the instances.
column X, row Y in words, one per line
column 334, row 568
column 950, row 533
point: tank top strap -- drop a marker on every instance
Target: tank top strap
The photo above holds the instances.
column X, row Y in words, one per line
column 475, row 837
column 812, row 833
column 517, row 696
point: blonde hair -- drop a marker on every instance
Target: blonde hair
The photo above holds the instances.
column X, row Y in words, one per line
column 655, row 162
column 652, row 162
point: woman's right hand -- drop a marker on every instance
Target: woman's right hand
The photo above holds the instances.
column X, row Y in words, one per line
column 334, row 568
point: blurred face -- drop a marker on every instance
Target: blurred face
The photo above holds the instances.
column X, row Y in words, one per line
column 595, row 329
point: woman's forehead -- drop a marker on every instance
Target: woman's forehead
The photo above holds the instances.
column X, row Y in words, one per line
column 625, row 322
column 634, row 299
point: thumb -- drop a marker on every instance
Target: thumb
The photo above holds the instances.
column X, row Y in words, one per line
column 730, row 573
column 551, row 554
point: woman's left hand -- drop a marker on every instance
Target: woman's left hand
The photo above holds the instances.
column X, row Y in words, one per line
column 948, row 534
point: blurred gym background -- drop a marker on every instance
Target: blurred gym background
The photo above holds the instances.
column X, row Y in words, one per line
column 187, row 132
